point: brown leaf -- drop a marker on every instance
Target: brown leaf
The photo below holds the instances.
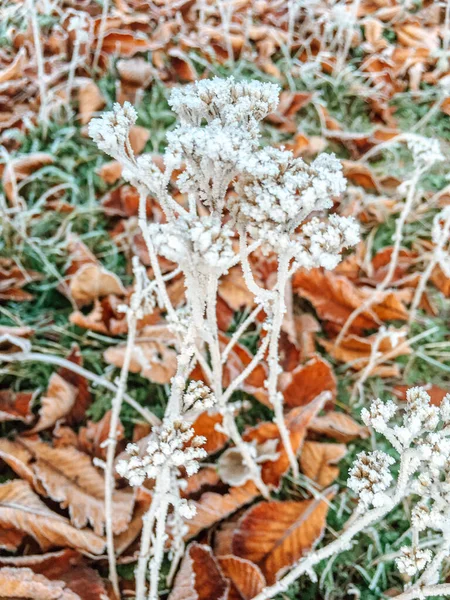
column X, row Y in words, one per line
column 339, row 426
column 22, row 167
column 234, row 290
column 355, row 351
column 15, row 68
column 274, row 535
column 15, row 406
column 318, row 461
column 199, row 577
column 90, row 100
column 67, row 476
column 10, row 539
column 125, row 43
column 83, row 396
column 204, row 425
column 13, row 278
column 22, row 509
column 213, row 507
column 23, row 583
column 151, row 358
column 67, row 566
column 58, row 402
column 246, row 578
column 307, row 381
column 91, row 438
column 297, row 420
column 91, row 282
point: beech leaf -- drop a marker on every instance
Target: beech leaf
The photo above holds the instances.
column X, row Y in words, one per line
column 23, row 583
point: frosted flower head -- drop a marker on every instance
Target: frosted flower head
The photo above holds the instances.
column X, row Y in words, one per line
column 419, row 412
column 166, row 448
column 321, row 243
column 203, row 240
column 110, row 131
column 226, row 100
column 145, row 171
column 426, row 152
column 276, row 191
column 370, row 477
column 198, row 397
column 379, row 414
column 413, row 560
column 445, row 409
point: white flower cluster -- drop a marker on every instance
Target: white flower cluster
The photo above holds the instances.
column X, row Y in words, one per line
column 198, row 397
column 320, row 243
column 370, row 477
column 227, row 100
column 203, row 241
column 423, row 443
column 412, row 560
column 440, row 237
column 425, row 151
column 111, row 131
column 276, row 192
column 167, row 447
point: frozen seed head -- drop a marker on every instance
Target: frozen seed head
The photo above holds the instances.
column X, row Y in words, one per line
column 167, row 448
column 419, row 412
column 370, row 477
column 276, row 191
column 198, row 397
column 204, row 240
column 110, row 131
column 426, row 152
column 412, row 560
column 227, row 100
column 379, row 414
column 321, row 242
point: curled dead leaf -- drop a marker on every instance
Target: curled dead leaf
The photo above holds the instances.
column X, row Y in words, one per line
column 318, row 461
column 306, row 382
column 339, row 426
column 20, row 168
column 91, row 282
column 246, row 578
column 23, row 583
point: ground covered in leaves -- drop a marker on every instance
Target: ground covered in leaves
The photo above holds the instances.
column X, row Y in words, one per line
column 355, row 77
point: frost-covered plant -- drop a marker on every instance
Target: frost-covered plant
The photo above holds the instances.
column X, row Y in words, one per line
column 420, row 437
column 238, row 197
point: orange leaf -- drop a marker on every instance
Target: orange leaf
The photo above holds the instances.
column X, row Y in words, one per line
column 339, row 426
column 246, row 578
column 204, row 425
column 199, row 577
column 306, row 382
column 274, row 535
column 318, row 461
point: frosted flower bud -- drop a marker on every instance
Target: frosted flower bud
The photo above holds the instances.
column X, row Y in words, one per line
column 198, row 396
column 420, row 516
column 370, row 477
column 110, row 131
column 426, row 152
column 445, row 408
column 412, row 560
column 226, row 100
column 379, row 414
column 276, row 192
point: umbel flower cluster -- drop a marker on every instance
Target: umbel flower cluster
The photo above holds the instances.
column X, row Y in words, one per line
column 237, row 198
column 423, row 443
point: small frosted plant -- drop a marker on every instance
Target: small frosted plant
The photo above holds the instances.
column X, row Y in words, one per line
column 239, row 197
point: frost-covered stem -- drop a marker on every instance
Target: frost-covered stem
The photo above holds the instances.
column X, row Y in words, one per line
column 443, row 239
column 146, row 536
column 429, row 575
column 222, row 398
column 51, row 359
column 43, row 111
column 73, row 66
column 343, row 542
column 239, row 332
column 398, row 237
column 348, row 37
column 160, row 537
column 101, row 33
column 275, row 397
column 256, row 290
column 374, row 354
column 112, row 441
column 438, row 590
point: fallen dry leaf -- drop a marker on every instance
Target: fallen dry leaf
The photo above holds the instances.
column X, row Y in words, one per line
column 68, row 477
column 13, row 278
column 199, row 577
column 22, row 509
column 205, row 425
column 339, row 426
column 23, row 583
column 16, row 406
column 90, row 100
column 245, row 577
column 274, row 535
column 318, row 461
column 57, row 403
column 91, row 282
column 306, row 382
column 20, row 168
